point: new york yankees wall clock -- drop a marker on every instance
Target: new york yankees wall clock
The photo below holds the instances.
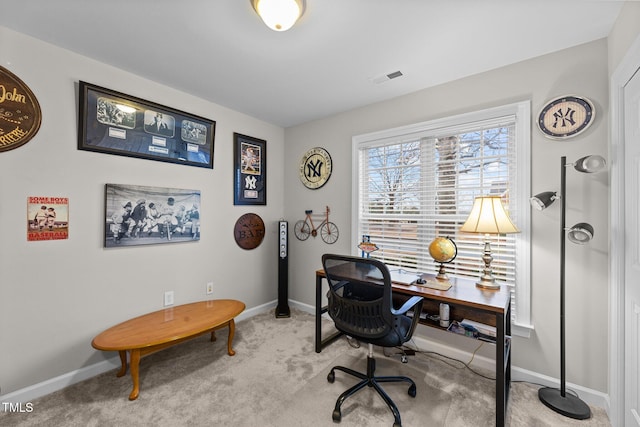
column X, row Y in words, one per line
column 566, row 116
column 315, row 168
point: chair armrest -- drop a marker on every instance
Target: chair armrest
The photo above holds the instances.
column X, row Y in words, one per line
column 414, row 302
column 410, row 303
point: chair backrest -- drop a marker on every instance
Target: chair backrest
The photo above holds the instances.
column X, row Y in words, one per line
column 360, row 295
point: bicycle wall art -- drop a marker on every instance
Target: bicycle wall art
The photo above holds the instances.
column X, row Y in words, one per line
column 306, row 227
column 137, row 215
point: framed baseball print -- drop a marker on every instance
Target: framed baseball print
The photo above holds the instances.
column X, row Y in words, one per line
column 115, row 123
column 250, row 170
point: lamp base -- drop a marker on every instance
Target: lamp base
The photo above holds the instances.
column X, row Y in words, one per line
column 569, row 405
column 487, row 283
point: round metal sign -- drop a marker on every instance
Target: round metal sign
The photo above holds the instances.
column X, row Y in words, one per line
column 20, row 114
column 249, row 231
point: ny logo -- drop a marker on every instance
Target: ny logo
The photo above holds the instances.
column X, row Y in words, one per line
column 314, row 169
column 250, row 183
column 564, row 117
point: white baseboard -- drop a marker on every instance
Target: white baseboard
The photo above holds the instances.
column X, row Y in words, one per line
column 35, row 391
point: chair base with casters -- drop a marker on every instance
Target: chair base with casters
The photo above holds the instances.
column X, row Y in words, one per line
column 369, row 379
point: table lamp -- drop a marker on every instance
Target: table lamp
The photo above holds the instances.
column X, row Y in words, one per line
column 488, row 216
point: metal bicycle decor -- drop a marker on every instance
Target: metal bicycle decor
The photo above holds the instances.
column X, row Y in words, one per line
column 305, row 228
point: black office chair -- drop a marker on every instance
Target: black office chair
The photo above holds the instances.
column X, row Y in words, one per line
column 360, row 304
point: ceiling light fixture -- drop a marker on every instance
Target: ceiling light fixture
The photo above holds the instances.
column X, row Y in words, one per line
column 279, row 15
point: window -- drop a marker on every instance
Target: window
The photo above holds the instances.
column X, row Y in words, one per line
column 415, row 183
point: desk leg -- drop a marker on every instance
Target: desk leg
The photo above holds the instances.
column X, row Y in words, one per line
column 123, row 362
column 319, row 310
column 503, row 365
column 232, row 331
column 500, row 383
column 318, row 314
column 135, row 373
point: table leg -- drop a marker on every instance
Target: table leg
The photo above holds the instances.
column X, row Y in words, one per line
column 319, row 310
column 318, row 314
column 135, row 373
column 123, row 361
column 232, row 331
column 500, row 391
column 213, row 336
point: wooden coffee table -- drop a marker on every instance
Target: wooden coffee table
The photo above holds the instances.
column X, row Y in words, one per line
column 161, row 329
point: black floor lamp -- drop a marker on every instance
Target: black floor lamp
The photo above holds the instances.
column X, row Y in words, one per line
column 558, row 399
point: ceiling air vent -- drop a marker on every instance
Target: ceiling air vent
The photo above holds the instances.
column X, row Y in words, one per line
column 386, row 77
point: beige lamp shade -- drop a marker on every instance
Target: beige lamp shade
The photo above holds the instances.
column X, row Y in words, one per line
column 489, row 217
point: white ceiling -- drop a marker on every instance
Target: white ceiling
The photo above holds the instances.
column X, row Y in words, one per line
column 221, row 51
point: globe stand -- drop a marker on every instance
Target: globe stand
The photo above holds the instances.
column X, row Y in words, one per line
column 442, row 274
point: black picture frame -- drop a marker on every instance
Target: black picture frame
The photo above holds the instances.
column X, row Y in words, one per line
column 140, row 215
column 250, row 170
column 115, row 123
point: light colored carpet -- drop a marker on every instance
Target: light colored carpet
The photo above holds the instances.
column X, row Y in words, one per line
column 316, row 400
column 277, row 379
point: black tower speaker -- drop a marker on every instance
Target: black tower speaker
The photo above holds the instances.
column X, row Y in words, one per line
column 282, row 310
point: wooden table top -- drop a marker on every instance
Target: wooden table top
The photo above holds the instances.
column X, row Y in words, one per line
column 167, row 325
column 462, row 292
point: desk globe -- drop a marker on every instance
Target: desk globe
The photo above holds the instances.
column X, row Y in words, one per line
column 443, row 250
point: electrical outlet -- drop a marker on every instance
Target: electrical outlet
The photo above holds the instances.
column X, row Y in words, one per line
column 168, row 298
column 209, row 288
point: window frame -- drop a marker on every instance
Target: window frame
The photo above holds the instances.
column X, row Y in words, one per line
column 521, row 323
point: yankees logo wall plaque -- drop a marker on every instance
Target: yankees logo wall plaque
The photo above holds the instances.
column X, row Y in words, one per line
column 566, row 117
column 315, row 168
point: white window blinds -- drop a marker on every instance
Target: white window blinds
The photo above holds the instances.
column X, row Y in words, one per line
column 418, row 183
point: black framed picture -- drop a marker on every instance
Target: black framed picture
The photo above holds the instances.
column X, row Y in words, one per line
column 114, row 123
column 250, row 170
column 139, row 215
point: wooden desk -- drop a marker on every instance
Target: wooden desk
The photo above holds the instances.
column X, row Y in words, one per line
column 465, row 300
column 161, row 329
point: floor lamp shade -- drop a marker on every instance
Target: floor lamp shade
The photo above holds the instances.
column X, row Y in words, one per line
column 543, row 200
column 556, row 399
column 580, row 233
column 487, row 217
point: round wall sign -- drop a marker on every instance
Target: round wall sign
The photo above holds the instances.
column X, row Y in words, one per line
column 566, row 116
column 20, row 113
column 249, row 231
column 315, row 168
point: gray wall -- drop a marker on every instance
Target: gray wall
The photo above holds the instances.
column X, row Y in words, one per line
column 582, row 71
column 624, row 33
column 55, row 296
